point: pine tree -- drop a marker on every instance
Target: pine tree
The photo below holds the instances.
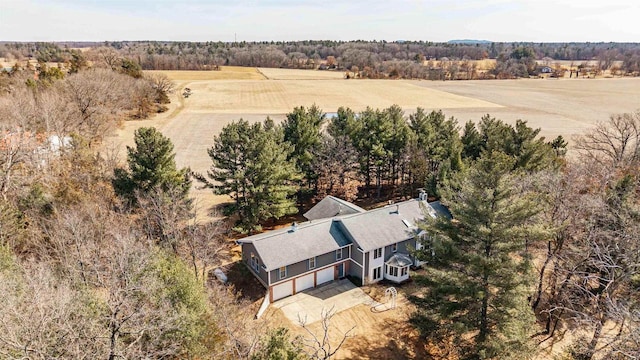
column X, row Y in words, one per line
column 477, row 282
column 252, row 164
column 229, row 155
column 152, row 168
column 270, row 178
column 302, row 131
column 531, row 152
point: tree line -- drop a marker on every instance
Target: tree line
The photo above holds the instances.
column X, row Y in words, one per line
column 371, row 59
column 381, row 154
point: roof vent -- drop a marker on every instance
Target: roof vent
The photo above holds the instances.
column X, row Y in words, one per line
column 294, row 227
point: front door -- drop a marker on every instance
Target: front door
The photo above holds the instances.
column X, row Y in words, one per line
column 341, row 271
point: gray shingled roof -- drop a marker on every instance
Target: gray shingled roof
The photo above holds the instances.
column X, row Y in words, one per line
column 384, row 226
column 399, row 260
column 441, row 210
column 284, row 247
column 331, row 206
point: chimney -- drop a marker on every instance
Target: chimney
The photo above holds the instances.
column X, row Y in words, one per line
column 294, row 227
column 422, row 195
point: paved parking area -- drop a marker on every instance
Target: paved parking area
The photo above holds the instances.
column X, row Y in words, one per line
column 339, row 295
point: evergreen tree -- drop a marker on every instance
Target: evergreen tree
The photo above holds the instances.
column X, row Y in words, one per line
column 371, row 136
column 521, row 142
column 270, row 177
column 398, row 138
column 252, row 164
column 439, row 140
column 229, row 155
column 152, row 168
column 471, row 141
column 477, row 281
column 302, row 131
column 343, row 124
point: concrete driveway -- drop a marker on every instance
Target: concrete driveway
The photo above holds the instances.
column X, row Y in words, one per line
column 339, row 295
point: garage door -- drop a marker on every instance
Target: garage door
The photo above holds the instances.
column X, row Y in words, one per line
column 282, row 290
column 325, row 275
column 304, row 282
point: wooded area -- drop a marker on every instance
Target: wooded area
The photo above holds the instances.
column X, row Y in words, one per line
column 364, row 59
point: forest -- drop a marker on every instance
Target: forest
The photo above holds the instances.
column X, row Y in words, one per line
column 103, row 258
column 366, row 59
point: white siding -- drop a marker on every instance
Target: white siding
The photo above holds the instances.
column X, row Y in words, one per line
column 375, row 263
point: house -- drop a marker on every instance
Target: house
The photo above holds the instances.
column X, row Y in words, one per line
column 545, row 70
column 366, row 245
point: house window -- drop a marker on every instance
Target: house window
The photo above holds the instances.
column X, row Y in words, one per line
column 404, row 271
column 377, row 253
column 255, row 264
column 393, row 271
column 377, row 273
column 312, row 263
column 339, row 254
column 283, row 272
column 394, row 247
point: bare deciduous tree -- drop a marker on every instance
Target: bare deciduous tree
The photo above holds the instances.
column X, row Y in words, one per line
column 615, row 142
column 320, row 346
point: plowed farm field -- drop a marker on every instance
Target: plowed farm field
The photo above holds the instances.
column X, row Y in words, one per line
column 558, row 106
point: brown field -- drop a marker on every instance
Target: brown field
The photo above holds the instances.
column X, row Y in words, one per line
column 279, row 97
column 558, row 106
column 292, row 74
column 225, row 73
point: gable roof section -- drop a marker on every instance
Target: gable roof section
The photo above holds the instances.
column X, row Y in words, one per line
column 285, row 247
column 441, row 210
column 332, row 206
column 387, row 225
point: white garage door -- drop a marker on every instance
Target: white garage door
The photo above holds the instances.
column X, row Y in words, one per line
column 282, row 290
column 325, row 275
column 304, row 282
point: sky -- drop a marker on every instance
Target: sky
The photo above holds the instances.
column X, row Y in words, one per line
column 437, row 20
